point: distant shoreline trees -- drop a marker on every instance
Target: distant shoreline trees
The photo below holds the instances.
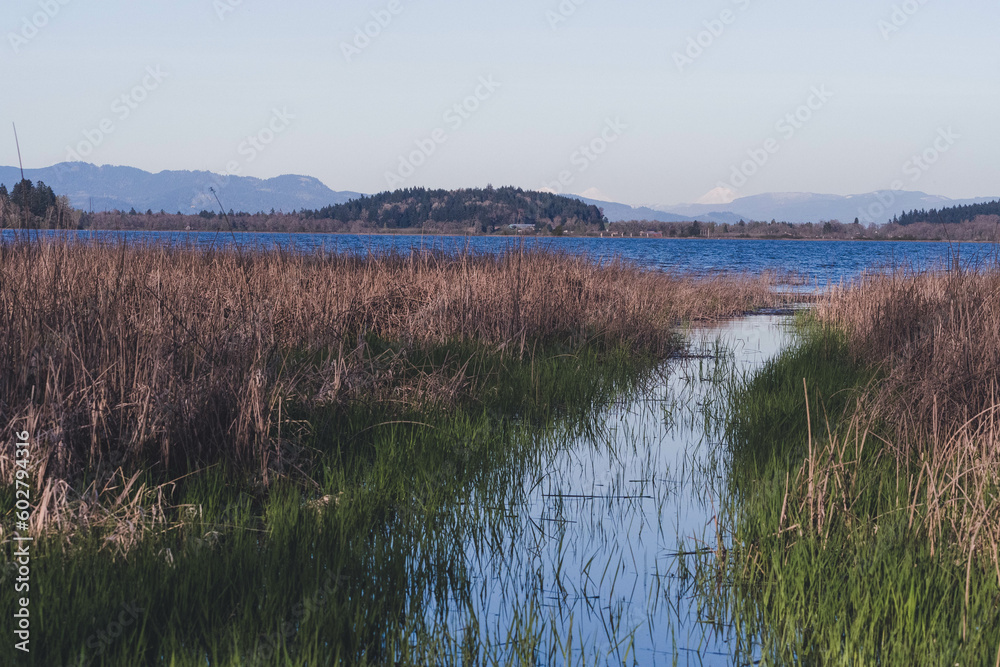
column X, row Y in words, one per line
column 35, row 206
column 489, row 210
column 949, row 216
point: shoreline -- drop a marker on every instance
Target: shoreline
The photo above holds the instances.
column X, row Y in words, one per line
column 497, row 236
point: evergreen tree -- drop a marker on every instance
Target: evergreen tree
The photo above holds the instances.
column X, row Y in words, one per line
column 41, row 199
column 952, row 215
column 20, row 195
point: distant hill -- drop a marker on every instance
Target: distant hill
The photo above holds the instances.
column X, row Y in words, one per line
column 616, row 212
column 486, row 209
column 796, row 207
column 951, row 215
column 123, row 188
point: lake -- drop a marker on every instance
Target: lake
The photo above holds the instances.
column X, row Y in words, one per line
column 816, row 263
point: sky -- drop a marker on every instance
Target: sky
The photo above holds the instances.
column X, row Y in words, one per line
column 648, row 103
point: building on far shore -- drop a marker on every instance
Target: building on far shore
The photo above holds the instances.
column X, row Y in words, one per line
column 519, row 228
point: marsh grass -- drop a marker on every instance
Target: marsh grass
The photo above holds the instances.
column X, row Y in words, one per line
column 866, row 480
column 363, row 564
column 935, row 339
column 280, row 458
column 119, row 358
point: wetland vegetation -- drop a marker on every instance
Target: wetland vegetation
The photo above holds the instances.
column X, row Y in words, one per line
column 864, row 484
column 266, row 457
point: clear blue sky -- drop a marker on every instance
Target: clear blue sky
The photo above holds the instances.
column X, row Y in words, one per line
column 682, row 123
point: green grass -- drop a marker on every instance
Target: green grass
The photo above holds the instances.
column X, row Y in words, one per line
column 249, row 575
column 357, row 552
column 834, row 569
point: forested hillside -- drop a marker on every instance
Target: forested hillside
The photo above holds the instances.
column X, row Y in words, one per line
column 950, row 215
column 485, row 209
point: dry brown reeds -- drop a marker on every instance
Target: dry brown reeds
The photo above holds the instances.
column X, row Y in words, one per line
column 118, row 356
column 935, row 336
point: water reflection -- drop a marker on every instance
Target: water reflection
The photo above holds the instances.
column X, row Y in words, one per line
column 586, row 566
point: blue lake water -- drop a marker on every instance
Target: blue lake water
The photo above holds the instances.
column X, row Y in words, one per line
column 591, row 546
column 817, row 262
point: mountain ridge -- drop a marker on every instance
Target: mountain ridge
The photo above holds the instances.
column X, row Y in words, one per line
column 880, row 206
column 109, row 187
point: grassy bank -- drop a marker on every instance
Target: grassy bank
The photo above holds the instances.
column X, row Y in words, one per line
column 865, row 519
column 262, row 457
column 357, row 563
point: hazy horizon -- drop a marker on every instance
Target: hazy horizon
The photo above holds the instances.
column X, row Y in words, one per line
column 644, row 105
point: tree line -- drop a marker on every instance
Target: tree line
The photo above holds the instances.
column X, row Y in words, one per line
column 482, row 210
column 951, row 215
column 35, row 205
column 487, row 209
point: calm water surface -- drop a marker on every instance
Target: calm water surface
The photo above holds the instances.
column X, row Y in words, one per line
column 819, row 263
column 589, row 550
